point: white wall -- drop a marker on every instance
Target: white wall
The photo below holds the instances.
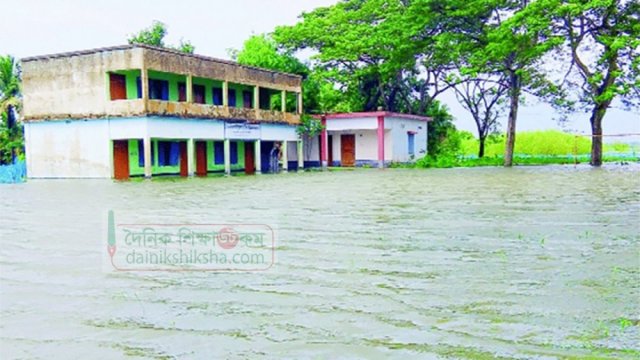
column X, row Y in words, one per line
column 399, row 132
column 83, row 148
column 278, row 132
column 366, row 144
column 68, row 149
column 176, row 128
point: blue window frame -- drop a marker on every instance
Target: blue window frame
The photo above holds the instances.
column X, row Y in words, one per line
column 232, row 97
column 411, row 142
column 158, row 89
column 168, row 153
column 139, row 87
column 218, row 152
column 141, row 154
column 234, row 152
column 217, row 96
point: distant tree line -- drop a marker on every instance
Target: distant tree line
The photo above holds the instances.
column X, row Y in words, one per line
column 402, row 55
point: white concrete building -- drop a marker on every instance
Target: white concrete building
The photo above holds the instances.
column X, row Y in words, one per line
column 369, row 138
column 137, row 110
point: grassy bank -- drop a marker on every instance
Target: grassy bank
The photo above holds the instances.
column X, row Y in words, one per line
column 448, row 162
column 532, row 148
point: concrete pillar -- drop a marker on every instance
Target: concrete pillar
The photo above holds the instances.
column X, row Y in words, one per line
column 381, row 141
column 189, row 88
column 256, row 97
column 144, row 83
column 146, row 144
column 227, row 156
column 285, row 160
column 257, row 156
column 283, row 108
column 300, row 155
column 324, row 143
column 225, row 93
column 191, row 151
column 300, row 102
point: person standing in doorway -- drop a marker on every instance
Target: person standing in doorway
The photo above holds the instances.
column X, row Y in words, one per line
column 274, row 158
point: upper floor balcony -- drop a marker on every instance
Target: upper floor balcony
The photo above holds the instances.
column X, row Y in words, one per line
column 139, row 80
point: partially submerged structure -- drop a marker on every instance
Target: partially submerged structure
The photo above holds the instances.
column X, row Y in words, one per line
column 375, row 138
column 138, row 110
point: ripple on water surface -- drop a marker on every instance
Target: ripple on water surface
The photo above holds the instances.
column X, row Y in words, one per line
column 463, row 263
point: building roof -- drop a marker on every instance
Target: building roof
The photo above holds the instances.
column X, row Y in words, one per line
column 375, row 114
column 144, row 46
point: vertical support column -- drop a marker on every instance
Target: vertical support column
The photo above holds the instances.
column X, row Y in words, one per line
column 283, row 96
column 146, row 144
column 144, row 83
column 285, row 158
column 225, row 93
column 381, row 141
column 258, row 156
column 300, row 102
column 256, row 101
column 189, row 88
column 300, row 155
column 324, row 143
column 191, row 149
column 227, row 157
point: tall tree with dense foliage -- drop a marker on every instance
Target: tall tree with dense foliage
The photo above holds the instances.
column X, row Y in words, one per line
column 154, row 36
column 495, row 37
column 365, row 47
column 602, row 40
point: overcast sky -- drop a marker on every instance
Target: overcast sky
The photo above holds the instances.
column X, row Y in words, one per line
column 37, row 27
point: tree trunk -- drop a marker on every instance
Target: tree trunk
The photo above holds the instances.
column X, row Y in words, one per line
column 514, row 99
column 481, row 147
column 596, row 133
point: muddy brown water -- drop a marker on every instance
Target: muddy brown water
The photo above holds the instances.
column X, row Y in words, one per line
column 539, row 262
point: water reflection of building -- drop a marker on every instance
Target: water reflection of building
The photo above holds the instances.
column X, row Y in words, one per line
column 137, row 110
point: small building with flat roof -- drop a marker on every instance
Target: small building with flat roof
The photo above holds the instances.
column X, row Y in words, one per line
column 375, row 138
column 138, row 110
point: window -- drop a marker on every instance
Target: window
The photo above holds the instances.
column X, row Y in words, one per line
column 217, row 96
column 182, row 91
column 141, row 154
column 247, row 99
column 158, row 89
column 234, row 152
column 198, row 94
column 118, row 86
column 168, row 153
column 139, row 87
column 232, row 97
column 411, row 142
column 218, row 152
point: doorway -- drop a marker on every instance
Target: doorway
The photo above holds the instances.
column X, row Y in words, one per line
column 348, row 150
column 201, row 158
column 121, row 159
column 249, row 158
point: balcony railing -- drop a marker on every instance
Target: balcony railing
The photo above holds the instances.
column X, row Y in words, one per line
column 135, row 107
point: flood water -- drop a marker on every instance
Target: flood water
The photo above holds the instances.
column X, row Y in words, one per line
column 539, row 262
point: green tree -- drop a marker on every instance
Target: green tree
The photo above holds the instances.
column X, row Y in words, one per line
column 154, row 36
column 484, row 100
column 11, row 135
column 360, row 47
column 602, row 38
column 497, row 38
column 262, row 51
